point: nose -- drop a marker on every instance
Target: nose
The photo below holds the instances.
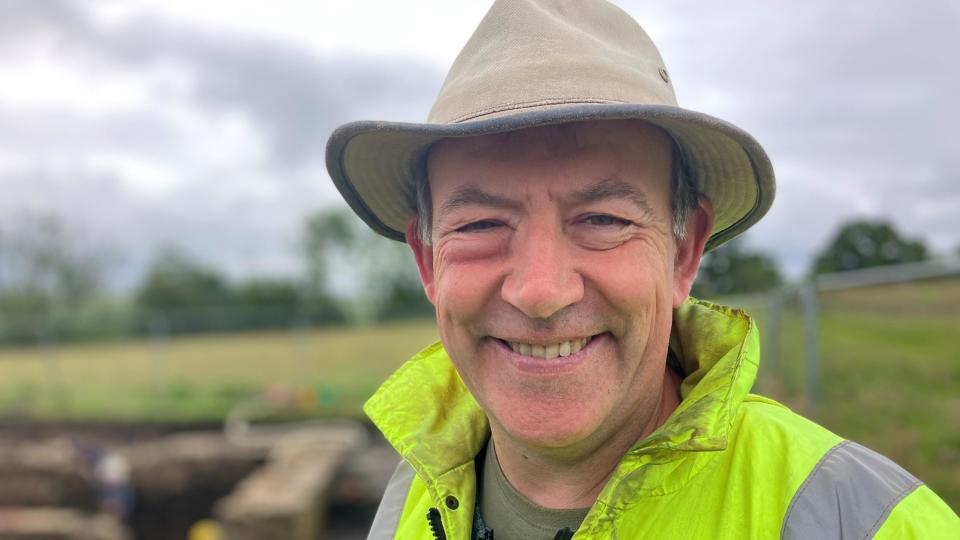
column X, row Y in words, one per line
column 542, row 279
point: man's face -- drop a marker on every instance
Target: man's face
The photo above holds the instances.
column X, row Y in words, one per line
column 554, row 273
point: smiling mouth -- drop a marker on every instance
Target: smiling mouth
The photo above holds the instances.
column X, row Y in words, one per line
column 550, row 351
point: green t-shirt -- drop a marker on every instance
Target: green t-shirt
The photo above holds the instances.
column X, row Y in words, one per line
column 512, row 516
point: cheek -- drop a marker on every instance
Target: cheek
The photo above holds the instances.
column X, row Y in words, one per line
column 639, row 290
column 629, row 277
column 464, row 286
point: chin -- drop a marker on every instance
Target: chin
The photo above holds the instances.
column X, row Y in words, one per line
column 547, row 427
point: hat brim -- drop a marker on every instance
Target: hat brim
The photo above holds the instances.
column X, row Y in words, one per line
column 373, row 164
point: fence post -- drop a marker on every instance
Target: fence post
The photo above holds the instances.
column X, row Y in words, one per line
column 301, row 348
column 771, row 337
column 159, row 336
column 48, row 344
column 808, row 300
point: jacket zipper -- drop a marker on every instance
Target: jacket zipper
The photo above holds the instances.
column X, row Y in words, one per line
column 436, row 525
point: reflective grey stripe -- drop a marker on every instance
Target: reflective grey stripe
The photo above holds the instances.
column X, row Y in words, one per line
column 848, row 495
column 391, row 506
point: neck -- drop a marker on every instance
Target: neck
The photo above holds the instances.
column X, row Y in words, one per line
column 574, row 477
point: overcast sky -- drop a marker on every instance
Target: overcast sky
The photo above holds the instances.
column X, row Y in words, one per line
column 202, row 124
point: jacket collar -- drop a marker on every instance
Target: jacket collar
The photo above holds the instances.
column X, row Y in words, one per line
column 427, row 414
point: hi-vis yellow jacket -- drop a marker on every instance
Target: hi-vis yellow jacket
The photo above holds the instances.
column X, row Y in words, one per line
column 726, row 464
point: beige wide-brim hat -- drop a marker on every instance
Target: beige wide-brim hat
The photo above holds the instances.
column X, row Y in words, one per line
column 540, row 62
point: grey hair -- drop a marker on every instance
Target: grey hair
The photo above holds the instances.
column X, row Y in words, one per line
column 685, row 198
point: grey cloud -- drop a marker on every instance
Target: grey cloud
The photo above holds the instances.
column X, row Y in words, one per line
column 24, row 18
column 293, row 95
column 52, row 132
column 856, row 104
column 232, row 230
column 855, row 101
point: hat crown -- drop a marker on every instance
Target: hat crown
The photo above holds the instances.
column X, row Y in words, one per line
column 537, row 54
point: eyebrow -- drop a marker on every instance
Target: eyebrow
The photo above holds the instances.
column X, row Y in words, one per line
column 607, row 189
column 473, row 195
column 613, row 188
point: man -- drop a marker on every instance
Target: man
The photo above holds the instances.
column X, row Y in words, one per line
column 558, row 203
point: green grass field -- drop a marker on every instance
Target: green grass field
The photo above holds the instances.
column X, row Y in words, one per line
column 326, row 372
column 889, row 374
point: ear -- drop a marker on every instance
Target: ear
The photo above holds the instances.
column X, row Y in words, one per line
column 690, row 250
column 424, row 257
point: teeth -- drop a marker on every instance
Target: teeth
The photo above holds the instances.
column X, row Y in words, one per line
column 551, row 351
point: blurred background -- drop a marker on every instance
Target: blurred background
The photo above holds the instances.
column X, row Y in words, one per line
column 190, row 318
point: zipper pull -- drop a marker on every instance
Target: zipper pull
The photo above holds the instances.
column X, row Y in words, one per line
column 564, row 534
column 436, row 526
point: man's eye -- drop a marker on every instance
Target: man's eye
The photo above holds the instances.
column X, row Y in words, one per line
column 603, row 220
column 477, row 226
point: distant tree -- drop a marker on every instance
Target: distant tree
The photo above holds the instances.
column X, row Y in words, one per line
column 326, row 233
column 405, row 298
column 373, row 277
column 266, row 292
column 175, row 280
column 734, row 269
column 49, row 274
column 181, row 295
column 45, row 265
column 865, row 244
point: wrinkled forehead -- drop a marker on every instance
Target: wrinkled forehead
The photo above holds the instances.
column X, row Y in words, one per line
column 628, row 138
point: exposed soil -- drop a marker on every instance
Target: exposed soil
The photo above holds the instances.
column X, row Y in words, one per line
column 165, row 515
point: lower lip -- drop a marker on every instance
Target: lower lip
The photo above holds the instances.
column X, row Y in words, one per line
column 554, row 366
